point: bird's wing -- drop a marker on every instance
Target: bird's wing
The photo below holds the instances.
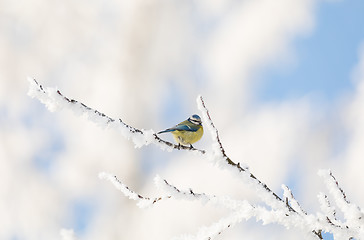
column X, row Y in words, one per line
column 182, row 127
column 186, row 127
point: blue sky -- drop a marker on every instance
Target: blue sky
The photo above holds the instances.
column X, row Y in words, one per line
column 325, row 58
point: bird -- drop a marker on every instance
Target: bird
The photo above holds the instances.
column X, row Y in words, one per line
column 187, row 132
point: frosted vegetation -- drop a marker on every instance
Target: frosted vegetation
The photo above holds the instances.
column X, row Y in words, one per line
column 284, row 210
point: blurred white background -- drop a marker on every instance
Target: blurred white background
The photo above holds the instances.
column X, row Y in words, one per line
column 145, row 62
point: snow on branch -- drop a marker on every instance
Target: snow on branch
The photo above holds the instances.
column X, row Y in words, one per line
column 55, row 100
column 142, row 202
column 293, row 213
column 204, row 198
column 240, row 209
column 328, row 212
column 285, row 210
column 290, row 200
column 221, row 159
column 172, row 192
column 352, row 213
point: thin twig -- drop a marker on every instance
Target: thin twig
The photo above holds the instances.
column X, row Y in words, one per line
column 237, row 165
column 142, row 201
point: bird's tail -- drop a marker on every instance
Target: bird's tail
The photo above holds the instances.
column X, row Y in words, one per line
column 167, row 130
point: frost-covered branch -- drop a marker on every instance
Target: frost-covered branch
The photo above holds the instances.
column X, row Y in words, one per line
column 353, row 215
column 142, row 202
column 291, row 201
column 285, row 210
column 171, row 192
column 240, row 209
column 221, row 159
column 328, row 212
column 55, row 100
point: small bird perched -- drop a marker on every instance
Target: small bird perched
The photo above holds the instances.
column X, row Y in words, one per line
column 188, row 131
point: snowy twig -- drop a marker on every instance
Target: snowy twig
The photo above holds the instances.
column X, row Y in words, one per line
column 172, row 191
column 143, row 202
column 352, row 213
column 290, row 199
column 328, row 210
column 328, row 215
column 223, row 201
column 221, row 158
column 55, row 100
column 241, row 209
column 220, row 151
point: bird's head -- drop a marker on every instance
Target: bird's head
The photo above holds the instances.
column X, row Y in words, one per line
column 195, row 119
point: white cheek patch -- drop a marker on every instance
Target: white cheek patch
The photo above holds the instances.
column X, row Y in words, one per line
column 195, row 122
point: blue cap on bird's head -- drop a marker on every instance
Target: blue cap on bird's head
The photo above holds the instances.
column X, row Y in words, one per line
column 195, row 119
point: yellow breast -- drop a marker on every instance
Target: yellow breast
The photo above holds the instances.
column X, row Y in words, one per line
column 186, row 137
